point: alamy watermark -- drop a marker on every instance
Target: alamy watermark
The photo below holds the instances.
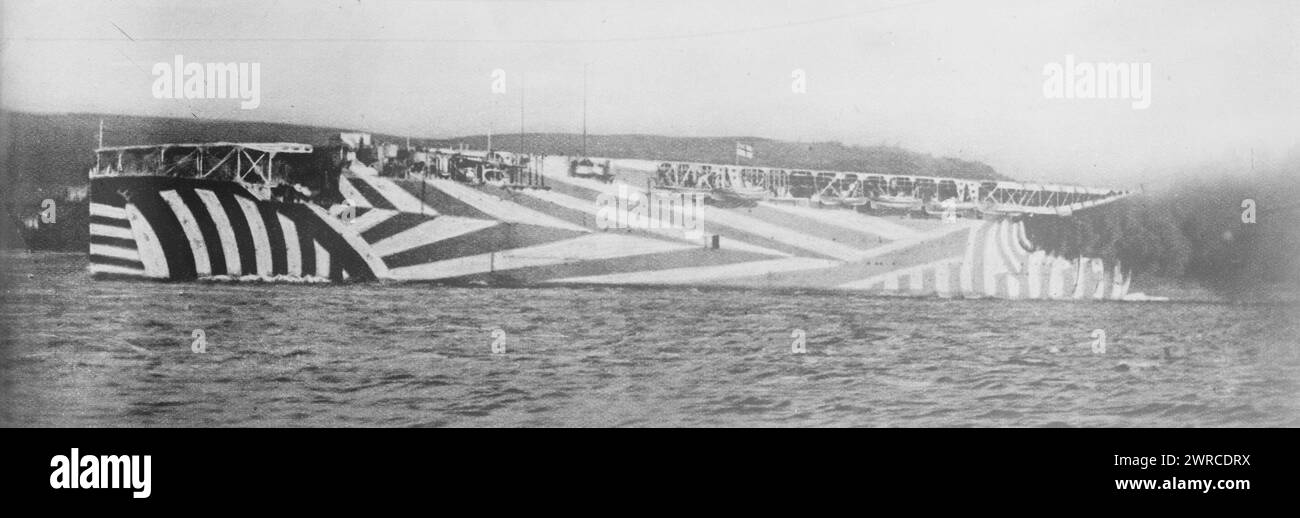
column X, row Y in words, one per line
column 633, row 209
column 181, row 80
column 1101, row 80
column 77, row 471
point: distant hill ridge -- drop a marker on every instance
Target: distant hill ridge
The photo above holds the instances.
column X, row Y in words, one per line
column 832, row 156
column 44, row 151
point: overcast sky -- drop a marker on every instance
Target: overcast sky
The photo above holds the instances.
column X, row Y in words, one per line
column 950, row 77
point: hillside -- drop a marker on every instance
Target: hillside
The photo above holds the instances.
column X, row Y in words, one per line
column 45, row 151
column 41, row 151
column 44, row 154
column 832, row 156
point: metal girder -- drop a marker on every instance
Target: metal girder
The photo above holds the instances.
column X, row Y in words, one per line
column 1025, row 197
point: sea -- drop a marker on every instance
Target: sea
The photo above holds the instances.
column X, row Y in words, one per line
column 83, row 352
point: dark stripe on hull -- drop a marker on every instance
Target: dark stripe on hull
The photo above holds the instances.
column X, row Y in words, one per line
column 577, row 217
column 392, row 226
column 336, row 269
column 243, row 235
column 274, row 236
column 207, row 227
column 171, row 236
column 306, row 245
column 119, row 242
column 341, row 252
column 370, row 194
column 116, row 261
column 440, row 201
column 859, row 239
column 728, row 233
column 112, row 222
column 491, row 239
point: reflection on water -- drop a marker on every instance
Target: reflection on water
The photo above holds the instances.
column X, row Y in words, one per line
column 111, row 353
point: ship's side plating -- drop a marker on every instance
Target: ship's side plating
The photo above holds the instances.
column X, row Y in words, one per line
column 183, row 229
column 426, row 228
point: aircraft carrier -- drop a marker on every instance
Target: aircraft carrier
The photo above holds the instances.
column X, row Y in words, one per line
column 265, row 212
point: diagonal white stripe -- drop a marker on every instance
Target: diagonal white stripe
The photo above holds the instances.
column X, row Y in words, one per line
column 848, row 220
column 1117, row 282
column 1099, row 273
column 590, row 247
column 913, row 271
column 116, row 270
column 993, row 263
column 229, row 247
column 1005, row 240
column 397, row 196
column 322, row 260
column 351, row 193
column 499, row 208
column 1079, row 275
column 293, row 254
column 966, row 276
column 97, row 229
column 705, row 274
column 371, row 218
column 589, row 207
column 443, row 227
column 261, row 244
column 146, row 242
column 715, row 216
column 202, row 264
column 354, row 240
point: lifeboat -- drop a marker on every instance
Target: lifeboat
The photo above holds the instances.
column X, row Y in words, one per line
column 896, row 201
column 587, row 168
column 934, row 207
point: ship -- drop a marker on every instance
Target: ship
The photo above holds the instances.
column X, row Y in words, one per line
column 731, row 186
column 952, row 199
column 900, row 193
column 296, row 212
column 584, row 166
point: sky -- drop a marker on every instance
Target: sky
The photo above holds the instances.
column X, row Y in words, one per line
column 951, row 78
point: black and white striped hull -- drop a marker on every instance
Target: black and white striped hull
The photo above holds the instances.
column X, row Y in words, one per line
column 180, row 229
column 435, row 230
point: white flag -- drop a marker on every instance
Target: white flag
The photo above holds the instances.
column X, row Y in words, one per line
column 744, row 150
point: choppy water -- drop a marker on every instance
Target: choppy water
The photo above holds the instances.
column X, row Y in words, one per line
column 79, row 352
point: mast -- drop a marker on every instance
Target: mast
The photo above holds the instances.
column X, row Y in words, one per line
column 521, row 113
column 489, row 121
column 101, row 145
column 584, row 110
